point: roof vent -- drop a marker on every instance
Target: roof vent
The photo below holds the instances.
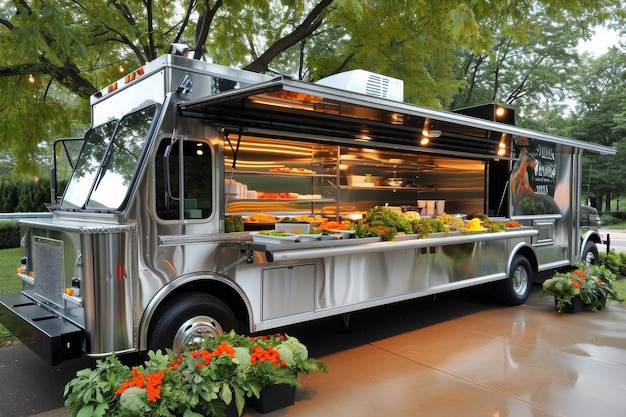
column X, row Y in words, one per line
column 365, row 82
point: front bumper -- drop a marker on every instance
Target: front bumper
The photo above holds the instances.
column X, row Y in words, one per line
column 53, row 338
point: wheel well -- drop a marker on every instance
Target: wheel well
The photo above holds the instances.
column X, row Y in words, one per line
column 529, row 254
column 213, row 287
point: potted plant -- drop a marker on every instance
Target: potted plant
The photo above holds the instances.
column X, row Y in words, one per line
column 588, row 286
column 271, row 365
column 213, row 380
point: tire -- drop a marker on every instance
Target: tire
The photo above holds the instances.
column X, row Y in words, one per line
column 189, row 320
column 590, row 253
column 515, row 290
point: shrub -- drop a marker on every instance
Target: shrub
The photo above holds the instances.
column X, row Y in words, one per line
column 608, row 219
column 9, row 234
column 24, row 195
column 614, row 262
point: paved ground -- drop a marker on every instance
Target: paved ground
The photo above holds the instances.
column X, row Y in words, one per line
column 457, row 355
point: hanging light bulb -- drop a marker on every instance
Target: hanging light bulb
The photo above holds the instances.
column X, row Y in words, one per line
column 31, row 78
column 121, row 68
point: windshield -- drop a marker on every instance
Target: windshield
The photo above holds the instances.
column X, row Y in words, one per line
column 106, row 168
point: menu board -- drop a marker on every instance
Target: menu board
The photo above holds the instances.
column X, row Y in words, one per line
column 533, row 179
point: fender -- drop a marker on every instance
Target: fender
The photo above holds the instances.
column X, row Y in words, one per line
column 525, row 250
column 595, row 237
column 195, row 283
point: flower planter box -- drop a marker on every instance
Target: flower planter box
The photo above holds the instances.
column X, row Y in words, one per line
column 273, row 397
column 576, row 306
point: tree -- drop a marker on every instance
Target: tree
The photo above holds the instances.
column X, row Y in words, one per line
column 600, row 117
column 74, row 47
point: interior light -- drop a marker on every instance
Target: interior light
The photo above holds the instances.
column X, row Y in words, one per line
column 502, row 145
column 426, row 127
column 426, row 130
column 397, row 118
column 424, row 140
column 500, row 111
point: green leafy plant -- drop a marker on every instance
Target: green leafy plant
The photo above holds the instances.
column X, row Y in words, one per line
column 592, row 283
column 224, row 371
column 270, row 360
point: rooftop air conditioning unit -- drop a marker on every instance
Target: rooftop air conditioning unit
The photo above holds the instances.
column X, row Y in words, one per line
column 365, row 82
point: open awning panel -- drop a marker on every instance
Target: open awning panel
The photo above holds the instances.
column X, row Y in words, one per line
column 307, row 110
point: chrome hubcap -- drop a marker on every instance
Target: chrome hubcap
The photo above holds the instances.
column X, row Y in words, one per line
column 195, row 331
column 520, row 280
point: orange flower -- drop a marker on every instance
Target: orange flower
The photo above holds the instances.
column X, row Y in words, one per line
column 151, row 383
column 224, row 349
column 580, row 274
column 269, row 354
column 576, row 284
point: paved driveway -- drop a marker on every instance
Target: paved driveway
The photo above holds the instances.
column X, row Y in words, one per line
column 456, row 355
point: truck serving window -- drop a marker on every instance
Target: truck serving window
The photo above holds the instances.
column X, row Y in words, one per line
column 192, row 179
column 106, row 167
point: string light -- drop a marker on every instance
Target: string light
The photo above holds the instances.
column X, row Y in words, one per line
column 31, row 78
column 121, row 68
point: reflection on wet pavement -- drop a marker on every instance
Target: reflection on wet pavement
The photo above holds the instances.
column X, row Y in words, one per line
column 495, row 361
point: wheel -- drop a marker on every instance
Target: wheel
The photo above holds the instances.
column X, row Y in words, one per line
column 590, row 253
column 515, row 290
column 189, row 320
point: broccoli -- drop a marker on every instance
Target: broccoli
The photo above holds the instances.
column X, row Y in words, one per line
column 132, row 402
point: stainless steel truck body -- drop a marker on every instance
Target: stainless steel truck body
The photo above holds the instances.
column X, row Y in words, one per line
column 136, row 255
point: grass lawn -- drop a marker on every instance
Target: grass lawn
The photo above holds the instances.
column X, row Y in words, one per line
column 9, row 284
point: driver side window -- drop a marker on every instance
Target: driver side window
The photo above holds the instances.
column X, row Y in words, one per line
column 184, row 178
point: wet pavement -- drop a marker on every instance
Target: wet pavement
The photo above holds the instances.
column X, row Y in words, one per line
column 456, row 355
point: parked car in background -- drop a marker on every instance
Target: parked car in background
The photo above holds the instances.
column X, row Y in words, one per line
column 589, row 217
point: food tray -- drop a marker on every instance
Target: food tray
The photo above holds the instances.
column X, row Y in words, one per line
column 308, row 237
column 345, row 234
column 262, row 238
column 297, row 228
column 258, row 226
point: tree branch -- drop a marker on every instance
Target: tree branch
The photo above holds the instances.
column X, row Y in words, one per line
column 307, row 27
column 202, row 29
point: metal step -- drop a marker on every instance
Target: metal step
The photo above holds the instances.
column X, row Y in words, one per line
column 51, row 337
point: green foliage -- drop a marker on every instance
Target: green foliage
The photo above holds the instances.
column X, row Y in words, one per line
column 9, row 234
column 92, row 391
column 225, row 371
column 9, row 284
column 594, row 284
column 614, row 262
column 608, row 219
column 24, row 195
column 449, row 53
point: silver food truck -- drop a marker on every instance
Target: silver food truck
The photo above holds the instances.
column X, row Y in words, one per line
column 136, row 254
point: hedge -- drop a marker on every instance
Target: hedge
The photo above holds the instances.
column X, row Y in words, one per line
column 9, row 234
column 24, row 195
